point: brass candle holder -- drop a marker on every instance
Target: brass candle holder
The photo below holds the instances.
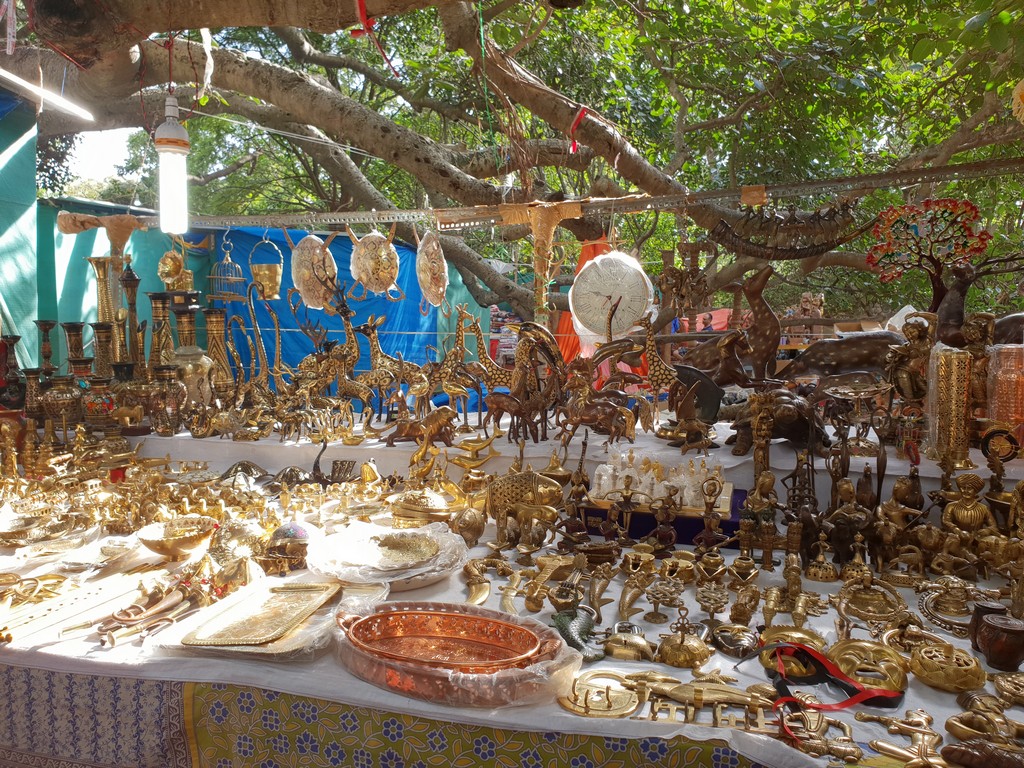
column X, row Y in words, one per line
column 45, row 347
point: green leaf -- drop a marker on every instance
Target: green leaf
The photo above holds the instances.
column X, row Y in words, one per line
column 924, row 48
column 999, row 36
column 977, row 23
column 1004, row 17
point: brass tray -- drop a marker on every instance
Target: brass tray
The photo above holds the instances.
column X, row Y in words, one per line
column 449, row 640
column 281, row 609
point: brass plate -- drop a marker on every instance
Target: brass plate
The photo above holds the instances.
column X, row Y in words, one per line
column 281, row 609
column 400, row 551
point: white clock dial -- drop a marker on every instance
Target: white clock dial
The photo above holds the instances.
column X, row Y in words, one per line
column 612, row 284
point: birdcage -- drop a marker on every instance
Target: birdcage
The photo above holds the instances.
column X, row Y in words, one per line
column 227, row 283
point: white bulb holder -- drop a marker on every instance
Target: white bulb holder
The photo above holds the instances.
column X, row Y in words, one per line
column 172, row 146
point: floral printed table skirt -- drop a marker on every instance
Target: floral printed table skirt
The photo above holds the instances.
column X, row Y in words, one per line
column 63, row 720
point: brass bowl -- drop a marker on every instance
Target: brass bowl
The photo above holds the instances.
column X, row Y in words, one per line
column 419, row 507
column 177, row 539
column 28, row 529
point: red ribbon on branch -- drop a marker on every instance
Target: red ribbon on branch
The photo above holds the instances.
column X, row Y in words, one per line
column 368, row 23
column 574, row 147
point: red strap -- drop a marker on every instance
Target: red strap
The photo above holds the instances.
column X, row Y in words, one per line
column 863, row 694
column 367, row 24
column 574, row 147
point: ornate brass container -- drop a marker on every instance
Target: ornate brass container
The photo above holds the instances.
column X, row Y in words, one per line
column 166, row 401
column 73, row 333
column 949, row 406
column 102, row 349
column 63, row 401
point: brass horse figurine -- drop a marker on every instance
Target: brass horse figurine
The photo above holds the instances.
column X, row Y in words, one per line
column 600, row 414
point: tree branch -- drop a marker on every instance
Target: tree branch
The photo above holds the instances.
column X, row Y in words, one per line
column 490, row 162
column 227, row 170
column 87, row 32
column 303, row 51
column 753, row 103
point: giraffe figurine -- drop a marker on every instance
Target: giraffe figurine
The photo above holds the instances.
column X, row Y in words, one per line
column 660, row 375
column 765, row 332
column 451, row 374
column 494, row 374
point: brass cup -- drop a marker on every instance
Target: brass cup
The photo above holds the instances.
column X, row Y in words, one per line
column 268, row 278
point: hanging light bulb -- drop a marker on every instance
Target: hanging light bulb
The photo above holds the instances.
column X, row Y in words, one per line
column 172, row 146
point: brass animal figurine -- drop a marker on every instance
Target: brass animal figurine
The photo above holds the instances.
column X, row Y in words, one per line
column 438, row 425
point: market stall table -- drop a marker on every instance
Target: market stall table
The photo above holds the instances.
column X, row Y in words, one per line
column 70, row 701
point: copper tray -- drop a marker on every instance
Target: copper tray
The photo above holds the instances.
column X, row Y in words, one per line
column 537, row 680
column 452, row 640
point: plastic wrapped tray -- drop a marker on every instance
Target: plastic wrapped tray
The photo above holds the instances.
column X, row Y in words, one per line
column 459, row 655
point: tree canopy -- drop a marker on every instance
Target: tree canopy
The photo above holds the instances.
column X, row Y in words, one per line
column 481, row 103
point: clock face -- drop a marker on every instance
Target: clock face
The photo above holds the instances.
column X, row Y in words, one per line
column 612, row 284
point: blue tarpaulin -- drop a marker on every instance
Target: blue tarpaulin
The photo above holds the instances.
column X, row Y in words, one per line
column 405, row 330
column 8, row 102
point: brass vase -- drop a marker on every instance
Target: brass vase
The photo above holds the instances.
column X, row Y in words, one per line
column 161, row 348
column 221, row 380
column 166, row 401
column 62, row 402
column 98, row 404
column 123, row 373
column 81, row 369
column 102, row 348
column 33, row 391
column 194, row 370
column 185, row 323
column 104, row 302
column 73, row 333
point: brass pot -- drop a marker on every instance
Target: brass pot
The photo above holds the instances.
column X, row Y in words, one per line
column 166, row 400
column 62, row 402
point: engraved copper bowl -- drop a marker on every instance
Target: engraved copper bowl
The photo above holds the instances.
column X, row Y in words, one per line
column 461, row 642
column 431, row 676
